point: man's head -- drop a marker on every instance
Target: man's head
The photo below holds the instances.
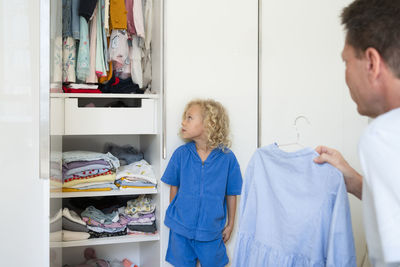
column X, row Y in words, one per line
column 372, row 53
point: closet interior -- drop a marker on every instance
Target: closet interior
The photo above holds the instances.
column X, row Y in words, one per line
column 115, row 209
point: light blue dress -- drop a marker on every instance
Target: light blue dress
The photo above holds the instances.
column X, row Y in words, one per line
column 293, row 212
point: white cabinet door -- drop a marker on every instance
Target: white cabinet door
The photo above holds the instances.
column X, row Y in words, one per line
column 211, row 52
column 302, row 73
column 24, row 197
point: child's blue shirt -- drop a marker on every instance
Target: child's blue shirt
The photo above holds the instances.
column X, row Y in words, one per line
column 198, row 210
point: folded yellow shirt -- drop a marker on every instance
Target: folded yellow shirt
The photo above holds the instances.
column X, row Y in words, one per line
column 86, row 190
column 140, row 187
column 107, row 177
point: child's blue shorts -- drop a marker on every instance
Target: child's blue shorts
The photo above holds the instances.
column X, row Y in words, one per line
column 184, row 252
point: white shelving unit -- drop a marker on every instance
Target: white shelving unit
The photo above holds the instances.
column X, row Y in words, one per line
column 127, row 192
column 67, row 95
column 106, row 241
column 135, row 247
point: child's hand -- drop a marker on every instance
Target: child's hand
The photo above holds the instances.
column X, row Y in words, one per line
column 226, row 234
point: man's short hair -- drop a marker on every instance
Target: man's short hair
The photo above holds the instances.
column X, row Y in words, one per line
column 375, row 23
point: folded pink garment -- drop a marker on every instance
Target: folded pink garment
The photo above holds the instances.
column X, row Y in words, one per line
column 121, row 222
column 81, row 91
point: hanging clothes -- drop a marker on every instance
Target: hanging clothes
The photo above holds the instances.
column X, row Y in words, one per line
column 145, row 43
column 100, row 63
column 83, row 62
column 107, row 17
column 135, row 56
column 69, row 59
column 75, row 27
column 92, row 78
column 119, row 53
column 66, row 18
column 86, row 8
column 129, row 16
column 57, row 60
column 148, row 22
column 293, row 212
column 138, row 18
column 118, row 15
column 103, row 17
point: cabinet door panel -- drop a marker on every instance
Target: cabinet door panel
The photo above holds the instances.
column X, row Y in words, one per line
column 211, row 52
column 24, row 196
column 302, row 73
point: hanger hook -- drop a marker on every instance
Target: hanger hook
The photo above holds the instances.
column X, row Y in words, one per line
column 295, row 126
column 301, row 117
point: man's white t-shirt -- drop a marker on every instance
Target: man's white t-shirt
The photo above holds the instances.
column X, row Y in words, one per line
column 380, row 159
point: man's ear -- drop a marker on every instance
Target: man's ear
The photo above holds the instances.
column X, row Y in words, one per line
column 373, row 61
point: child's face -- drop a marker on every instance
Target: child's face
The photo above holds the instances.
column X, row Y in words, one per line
column 192, row 124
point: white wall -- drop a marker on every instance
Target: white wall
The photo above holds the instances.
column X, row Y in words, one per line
column 303, row 74
column 24, row 197
column 211, row 52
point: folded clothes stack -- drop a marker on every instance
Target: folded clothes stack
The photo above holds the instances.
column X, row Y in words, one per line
column 89, row 171
column 75, row 88
column 140, row 213
column 91, row 260
column 126, row 154
column 66, row 225
column 139, row 174
column 55, row 172
column 102, row 224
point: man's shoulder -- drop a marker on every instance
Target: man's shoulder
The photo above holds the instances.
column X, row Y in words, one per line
column 383, row 133
column 389, row 121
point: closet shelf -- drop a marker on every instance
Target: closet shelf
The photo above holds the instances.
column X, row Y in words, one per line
column 103, row 193
column 67, row 95
column 106, row 241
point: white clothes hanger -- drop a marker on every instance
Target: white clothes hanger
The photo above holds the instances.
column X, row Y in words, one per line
column 297, row 132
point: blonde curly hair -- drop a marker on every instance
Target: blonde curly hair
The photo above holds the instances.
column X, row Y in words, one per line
column 215, row 120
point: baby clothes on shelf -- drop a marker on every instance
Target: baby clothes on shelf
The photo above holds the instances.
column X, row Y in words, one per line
column 88, row 171
column 126, row 154
column 140, row 213
column 66, row 225
column 55, row 172
column 141, row 205
column 56, row 222
column 71, row 156
column 293, row 212
column 102, row 224
column 139, row 174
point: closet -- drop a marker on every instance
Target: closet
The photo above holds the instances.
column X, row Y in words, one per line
column 89, row 121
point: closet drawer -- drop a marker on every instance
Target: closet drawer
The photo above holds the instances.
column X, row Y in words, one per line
column 56, row 116
column 125, row 116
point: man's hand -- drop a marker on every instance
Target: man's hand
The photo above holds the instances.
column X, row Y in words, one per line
column 352, row 178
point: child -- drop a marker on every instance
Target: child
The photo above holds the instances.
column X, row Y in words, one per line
column 205, row 178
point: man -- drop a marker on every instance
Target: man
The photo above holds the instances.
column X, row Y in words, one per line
column 372, row 57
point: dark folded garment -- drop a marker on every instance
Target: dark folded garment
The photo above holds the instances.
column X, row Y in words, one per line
column 86, row 8
column 126, row 154
column 120, row 86
column 98, row 235
column 69, row 225
column 144, row 228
